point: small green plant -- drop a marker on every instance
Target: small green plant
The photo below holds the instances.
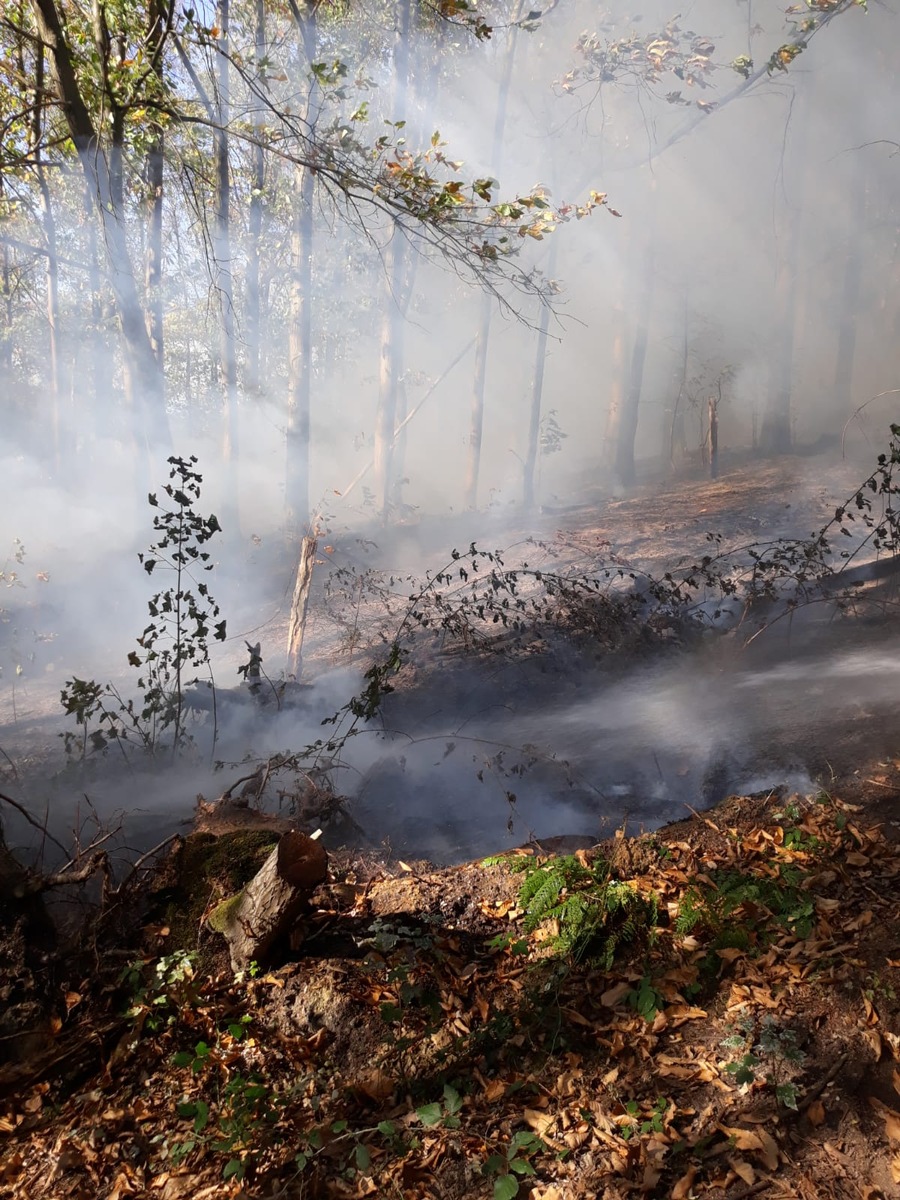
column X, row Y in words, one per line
column 506, row 1169
column 442, row 1112
column 646, row 1001
column 715, row 909
column 879, row 990
column 596, row 915
column 183, row 619
column 238, row 1114
column 766, row 1049
column 159, row 991
column 638, row 1124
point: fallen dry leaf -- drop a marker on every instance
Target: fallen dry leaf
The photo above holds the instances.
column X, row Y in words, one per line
column 684, row 1186
column 890, row 1117
column 815, row 1113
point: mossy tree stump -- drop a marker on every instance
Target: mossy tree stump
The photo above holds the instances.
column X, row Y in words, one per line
column 261, row 916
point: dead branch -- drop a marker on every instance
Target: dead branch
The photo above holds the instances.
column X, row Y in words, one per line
column 31, row 821
column 34, row 884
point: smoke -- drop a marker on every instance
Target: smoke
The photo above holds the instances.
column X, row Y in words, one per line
column 744, row 242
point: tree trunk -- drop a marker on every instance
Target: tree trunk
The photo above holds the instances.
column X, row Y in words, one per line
column 51, row 274
column 476, row 421
column 529, row 491
column 153, row 178
column 393, row 316
column 775, row 434
column 299, row 399
column 299, row 354
column 616, row 385
column 712, row 436
column 300, row 605
column 253, row 319
column 264, row 914
column 142, row 370
column 224, row 274
column 625, row 467
column 846, row 347
column 389, row 373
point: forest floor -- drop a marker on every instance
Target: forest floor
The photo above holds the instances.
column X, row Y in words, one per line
column 709, row 1010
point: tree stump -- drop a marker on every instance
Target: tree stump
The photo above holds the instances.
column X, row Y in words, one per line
column 261, row 916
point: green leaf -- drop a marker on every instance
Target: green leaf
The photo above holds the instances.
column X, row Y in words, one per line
column 234, row 1169
column 452, row 1099
column 201, row 1118
column 339, row 1126
column 430, row 1114
column 363, row 1158
column 787, row 1094
column 506, row 1187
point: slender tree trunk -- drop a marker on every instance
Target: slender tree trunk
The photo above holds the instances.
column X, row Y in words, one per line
column 153, row 171
column 476, row 424
column 389, row 373
column 299, row 399
column 299, row 354
column 625, row 465
column 712, row 434
column 224, row 272
column 776, row 433
column 51, row 272
column 392, row 321
column 842, row 388
column 142, row 370
column 6, row 345
column 253, row 319
column 532, row 455
column 675, row 431
column 476, row 420
column 616, row 385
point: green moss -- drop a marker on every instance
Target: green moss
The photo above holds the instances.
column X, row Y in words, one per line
column 220, row 916
column 208, row 867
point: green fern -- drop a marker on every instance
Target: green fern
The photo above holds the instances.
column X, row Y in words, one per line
column 711, row 908
column 595, row 915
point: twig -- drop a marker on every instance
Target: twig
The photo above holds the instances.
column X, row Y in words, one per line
column 753, row 1190
column 11, row 763
column 817, row 1089
column 144, row 857
column 31, row 821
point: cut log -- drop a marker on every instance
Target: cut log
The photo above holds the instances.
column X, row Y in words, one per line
column 261, row 916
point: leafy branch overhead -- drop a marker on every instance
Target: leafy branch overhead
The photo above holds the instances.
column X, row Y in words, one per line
column 677, row 63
